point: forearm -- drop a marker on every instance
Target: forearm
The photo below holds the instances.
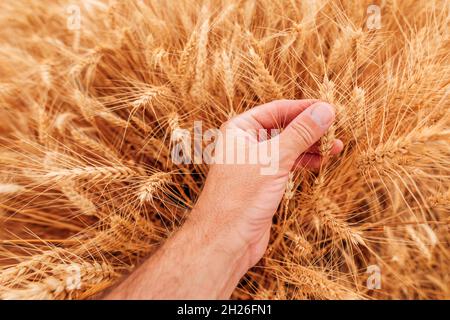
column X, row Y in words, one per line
column 193, row 264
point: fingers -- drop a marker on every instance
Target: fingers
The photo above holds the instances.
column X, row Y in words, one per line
column 304, row 131
column 312, row 159
column 309, row 160
column 305, row 121
column 272, row 115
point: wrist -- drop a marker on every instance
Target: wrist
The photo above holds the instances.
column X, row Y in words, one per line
column 193, row 264
column 223, row 257
column 221, row 230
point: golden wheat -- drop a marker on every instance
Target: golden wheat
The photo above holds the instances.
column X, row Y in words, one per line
column 88, row 117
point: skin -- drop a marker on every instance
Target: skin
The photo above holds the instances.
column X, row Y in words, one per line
column 228, row 230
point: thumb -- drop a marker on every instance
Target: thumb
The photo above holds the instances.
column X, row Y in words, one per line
column 305, row 130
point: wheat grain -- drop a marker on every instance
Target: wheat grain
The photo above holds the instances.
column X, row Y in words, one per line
column 265, row 85
column 91, row 172
column 151, row 186
column 197, row 90
column 326, row 93
column 46, row 77
column 289, row 193
column 419, row 242
column 10, row 188
column 86, row 206
column 325, row 212
column 228, row 76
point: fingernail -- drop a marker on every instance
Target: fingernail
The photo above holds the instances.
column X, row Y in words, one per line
column 322, row 114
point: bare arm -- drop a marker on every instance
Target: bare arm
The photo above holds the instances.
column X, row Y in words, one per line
column 193, row 264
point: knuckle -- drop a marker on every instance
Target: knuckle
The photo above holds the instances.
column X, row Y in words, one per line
column 304, row 132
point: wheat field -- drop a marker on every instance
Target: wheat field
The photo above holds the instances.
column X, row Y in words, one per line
column 90, row 92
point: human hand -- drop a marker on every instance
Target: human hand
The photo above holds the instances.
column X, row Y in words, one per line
column 238, row 201
column 228, row 229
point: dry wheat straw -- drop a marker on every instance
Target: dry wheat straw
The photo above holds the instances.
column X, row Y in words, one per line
column 91, row 172
column 151, row 185
column 265, row 85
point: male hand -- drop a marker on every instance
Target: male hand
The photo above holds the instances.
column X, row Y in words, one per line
column 228, row 230
column 238, row 200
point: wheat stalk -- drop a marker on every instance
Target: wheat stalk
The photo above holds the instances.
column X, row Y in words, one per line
column 151, row 185
column 265, row 85
column 11, row 188
column 327, row 94
column 91, row 172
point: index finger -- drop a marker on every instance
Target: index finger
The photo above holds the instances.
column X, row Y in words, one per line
column 273, row 115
